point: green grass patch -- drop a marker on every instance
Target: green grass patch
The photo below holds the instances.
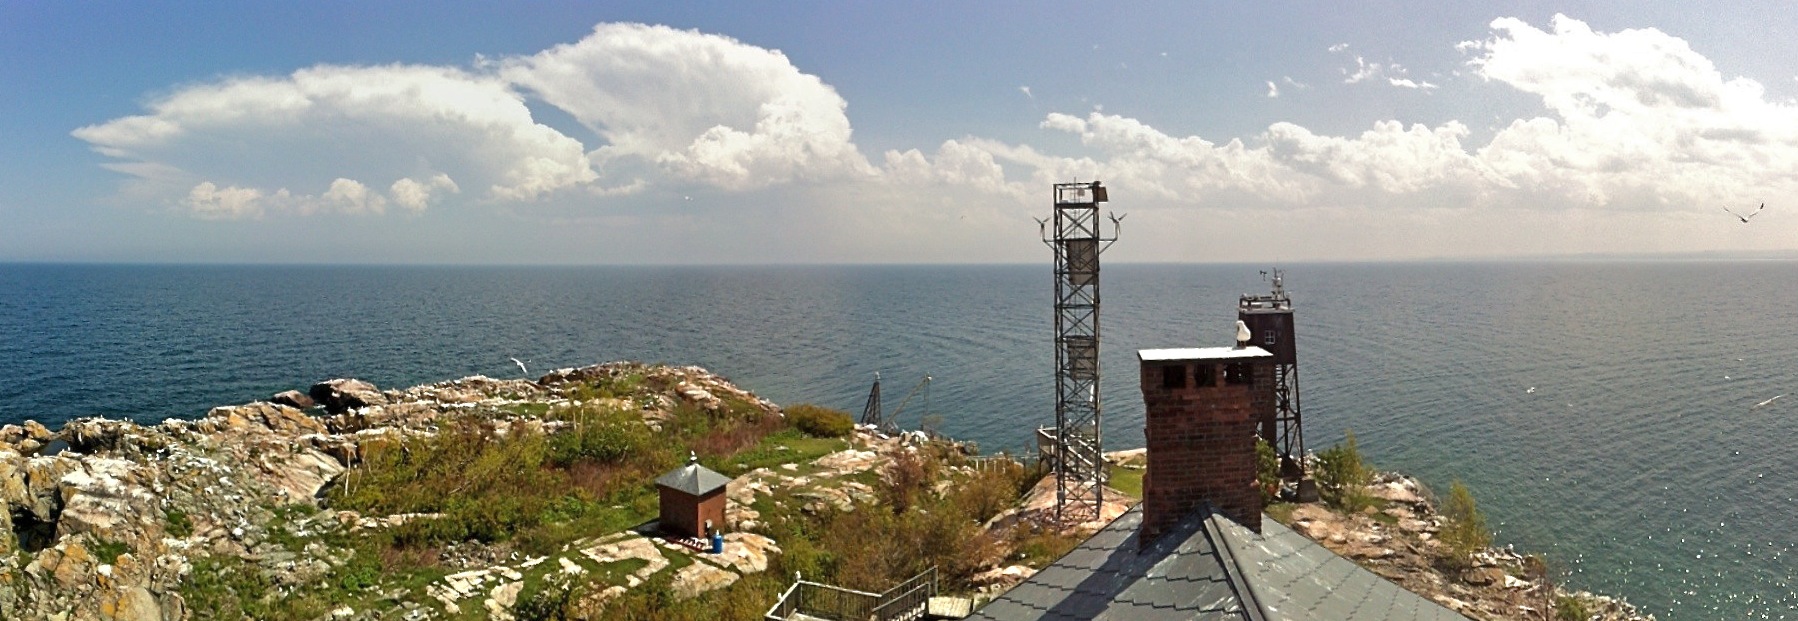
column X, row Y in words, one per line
column 1281, row 512
column 1126, row 480
column 782, row 447
column 176, row 522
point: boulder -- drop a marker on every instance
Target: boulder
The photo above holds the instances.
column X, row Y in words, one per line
column 261, row 417
column 293, row 398
column 297, row 476
column 37, row 431
column 692, row 580
column 342, row 395
column 132, row 603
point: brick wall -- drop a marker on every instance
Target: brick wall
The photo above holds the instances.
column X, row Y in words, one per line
column 1201, row 442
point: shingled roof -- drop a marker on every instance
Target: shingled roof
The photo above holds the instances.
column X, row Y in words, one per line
column 693, row 479
column 1208, row 567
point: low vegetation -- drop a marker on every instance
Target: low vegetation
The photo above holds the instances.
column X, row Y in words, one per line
column 1267, row 471
column 1342, row 476
column 1464, row 531
column 820, row 421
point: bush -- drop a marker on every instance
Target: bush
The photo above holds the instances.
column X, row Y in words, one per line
column 819, row 421
column 1342, row 476
column 607, row 436
column 1465, row 529
column 1570, row 608
column 1267, row 470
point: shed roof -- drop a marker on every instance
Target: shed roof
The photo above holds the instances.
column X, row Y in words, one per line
column 1201, row 353
column 1208, row 567
column 693, row 479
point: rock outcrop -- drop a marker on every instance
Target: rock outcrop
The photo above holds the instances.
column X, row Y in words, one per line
column 111, row 527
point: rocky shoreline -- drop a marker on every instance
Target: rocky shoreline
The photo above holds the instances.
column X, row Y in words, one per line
column 108, row 518
column 113, row 520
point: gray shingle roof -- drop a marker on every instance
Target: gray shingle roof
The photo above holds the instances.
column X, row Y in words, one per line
column 1208, row 567
column 693, row 479
column 1182, row 576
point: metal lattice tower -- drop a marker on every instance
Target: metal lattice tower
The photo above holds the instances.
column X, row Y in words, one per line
column 1269, row 318
column 1078, row 453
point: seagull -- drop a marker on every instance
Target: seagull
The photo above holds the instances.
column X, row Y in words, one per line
column 1758, row 405
column 1531, row 391
column 521, row 367
column 1751, row 214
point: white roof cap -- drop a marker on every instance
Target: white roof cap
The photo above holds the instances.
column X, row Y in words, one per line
column 1200, row 353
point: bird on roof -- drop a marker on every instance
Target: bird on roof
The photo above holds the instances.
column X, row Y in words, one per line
column 1751, row 214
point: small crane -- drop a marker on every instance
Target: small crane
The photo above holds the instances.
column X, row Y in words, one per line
column 872, row 415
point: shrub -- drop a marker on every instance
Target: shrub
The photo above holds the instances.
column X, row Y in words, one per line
column 604, row 435
column 1464, row 532
column 905, row 480
column 819, row 421
column 1267, row 470
column 1570, row 608
column 1342, row 476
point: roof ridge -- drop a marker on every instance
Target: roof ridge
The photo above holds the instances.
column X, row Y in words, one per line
column 1233, row 569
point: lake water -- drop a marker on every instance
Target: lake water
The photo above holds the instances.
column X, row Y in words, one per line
column 1639, row 462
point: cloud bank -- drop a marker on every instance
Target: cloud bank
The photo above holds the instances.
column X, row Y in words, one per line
column 1634, row 120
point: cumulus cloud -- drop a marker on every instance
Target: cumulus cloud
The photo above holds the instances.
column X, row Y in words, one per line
column 304, row 131
column 1637, row 120
column 1635, row 115
column 670, row 106
column 703, row 107
column 415, row 195
column 1634, row 119
column 210, row 202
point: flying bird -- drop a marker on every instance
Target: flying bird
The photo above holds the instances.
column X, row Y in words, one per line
column 1751, row 214
column 521, row 367
column 1758, row 405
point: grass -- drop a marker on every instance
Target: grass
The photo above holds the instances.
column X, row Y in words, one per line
column 1126, row 480
column 1281, row 511
column 782, row 447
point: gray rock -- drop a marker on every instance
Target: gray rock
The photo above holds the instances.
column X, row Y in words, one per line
column 342, row 395
column 293, row 398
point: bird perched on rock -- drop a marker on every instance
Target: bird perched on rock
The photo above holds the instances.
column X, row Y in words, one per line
column 1751, row 214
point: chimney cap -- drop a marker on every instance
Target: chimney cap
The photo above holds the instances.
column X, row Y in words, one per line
column 1202, row 353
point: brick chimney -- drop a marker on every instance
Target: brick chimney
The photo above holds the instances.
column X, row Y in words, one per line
column 1203, row 405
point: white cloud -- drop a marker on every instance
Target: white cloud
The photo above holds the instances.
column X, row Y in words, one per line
column 320, row 124
column 350, row 196
column 210, row 202
column 415, row 195
column 1408, row 83
column 703, row 107
column 1629, row 120
column 1636, row 117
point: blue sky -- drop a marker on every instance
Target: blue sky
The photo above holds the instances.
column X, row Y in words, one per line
column 600, row 133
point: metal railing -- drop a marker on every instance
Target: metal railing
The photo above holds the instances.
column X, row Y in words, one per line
column 905, row 602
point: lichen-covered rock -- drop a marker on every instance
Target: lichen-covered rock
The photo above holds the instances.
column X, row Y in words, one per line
column 132, row 603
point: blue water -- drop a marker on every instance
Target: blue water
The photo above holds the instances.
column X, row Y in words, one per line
column 1636, row 465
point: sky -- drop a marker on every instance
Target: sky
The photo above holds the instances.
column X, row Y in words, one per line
column 917, row 132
